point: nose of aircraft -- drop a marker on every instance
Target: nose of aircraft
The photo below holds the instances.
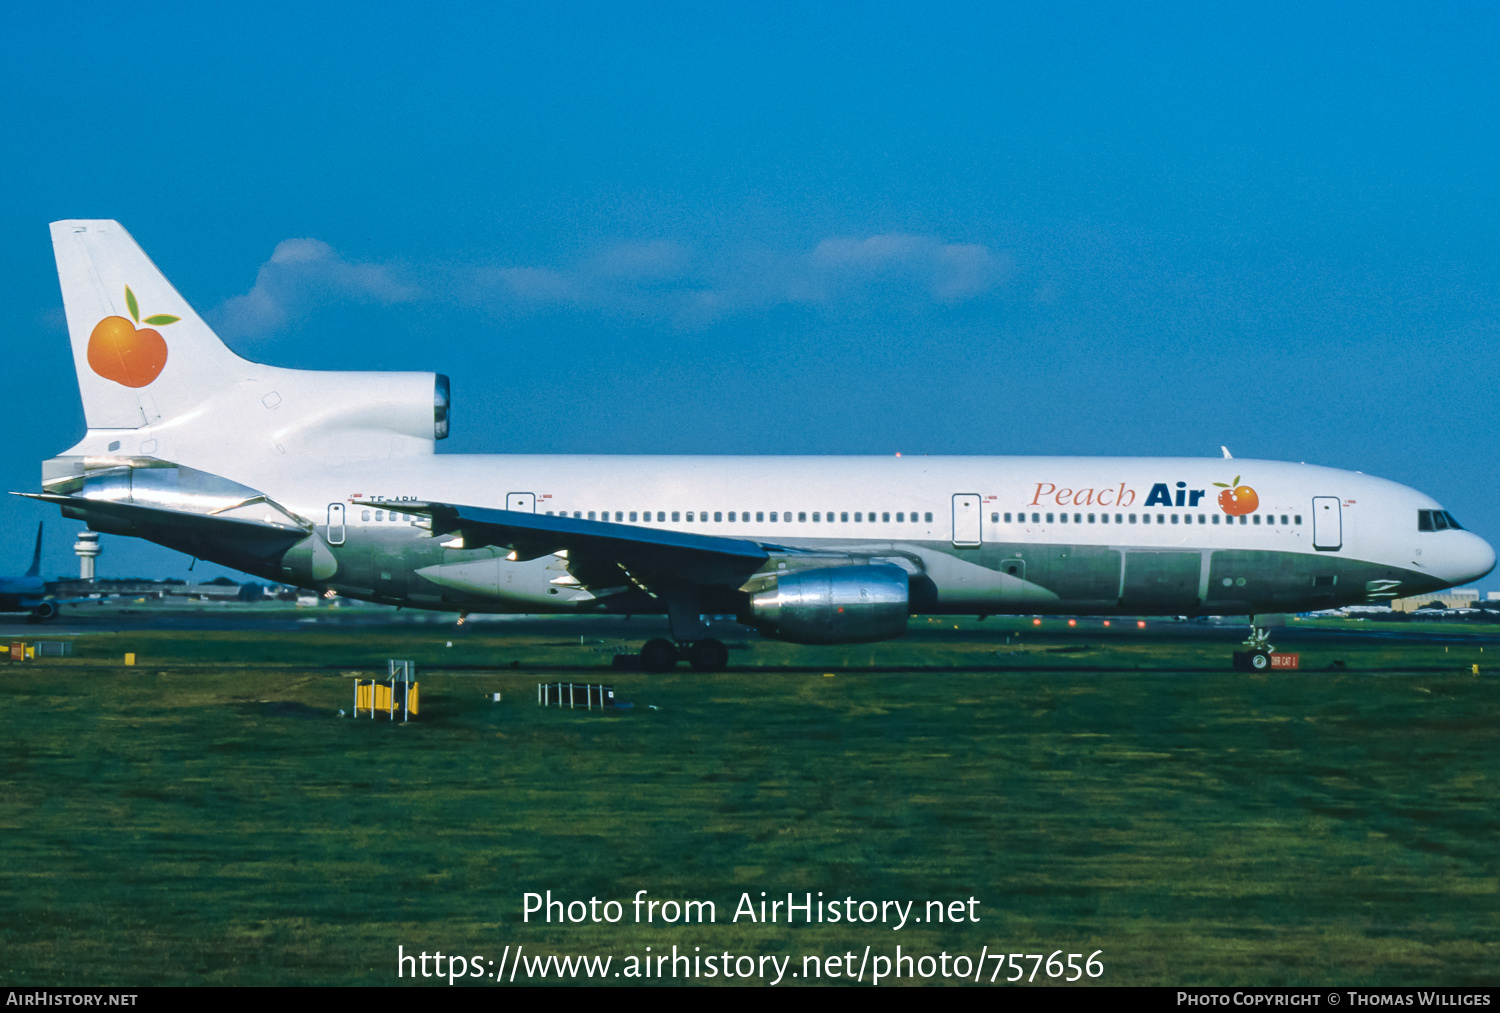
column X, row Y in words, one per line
column 1466, row 559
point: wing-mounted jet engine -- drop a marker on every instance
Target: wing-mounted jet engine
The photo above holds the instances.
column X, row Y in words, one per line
column 830, row 604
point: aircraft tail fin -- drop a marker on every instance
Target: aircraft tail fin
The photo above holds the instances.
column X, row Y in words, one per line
column 157, row 382
column 36, row 554
column 140, row 351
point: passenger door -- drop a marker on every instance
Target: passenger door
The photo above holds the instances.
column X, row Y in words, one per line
column 524, row 502
column 967, row 511
column 335, row 524
column 1328, row 524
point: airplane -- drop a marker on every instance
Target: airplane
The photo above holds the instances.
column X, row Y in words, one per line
column 28, row 593
column 331, row 480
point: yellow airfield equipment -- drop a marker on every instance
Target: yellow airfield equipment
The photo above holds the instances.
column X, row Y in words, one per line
column 398, row 694
column 22, row 651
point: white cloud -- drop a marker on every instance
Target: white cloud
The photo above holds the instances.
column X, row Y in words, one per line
column 300, row 274
column 655, row 278
column 533, row 284
column 659, row 260
column 617, row 276
column 949, row 272
column 668, row 279
column 871, row 254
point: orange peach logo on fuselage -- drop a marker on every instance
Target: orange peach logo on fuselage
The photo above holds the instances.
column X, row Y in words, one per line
column 1237, row 499
column 128, row 355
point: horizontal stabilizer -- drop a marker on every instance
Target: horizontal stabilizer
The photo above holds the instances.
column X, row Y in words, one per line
column 233, row 541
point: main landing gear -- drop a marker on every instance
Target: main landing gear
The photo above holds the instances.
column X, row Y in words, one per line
column 687, row 618
column 661, row 655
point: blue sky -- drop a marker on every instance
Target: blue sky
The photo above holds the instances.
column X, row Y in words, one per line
column 1055, row 229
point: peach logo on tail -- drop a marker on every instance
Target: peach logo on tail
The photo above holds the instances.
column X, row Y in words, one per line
column 121, row 352
column 1237, row 499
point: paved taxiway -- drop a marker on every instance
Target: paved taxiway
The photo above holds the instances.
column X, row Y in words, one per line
column 90, row 619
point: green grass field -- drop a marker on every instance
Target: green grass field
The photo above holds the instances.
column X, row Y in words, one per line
column 207, row 818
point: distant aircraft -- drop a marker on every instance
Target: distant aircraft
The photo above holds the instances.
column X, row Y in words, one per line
column 330, row 480
column 28, row 593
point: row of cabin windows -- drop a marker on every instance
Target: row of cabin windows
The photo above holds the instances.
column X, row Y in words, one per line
column 761, row 516
column 1427, row 520
column 1270, row 521
column 364, row 515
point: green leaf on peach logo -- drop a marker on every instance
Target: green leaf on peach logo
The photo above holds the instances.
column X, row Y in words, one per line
column 159, row 320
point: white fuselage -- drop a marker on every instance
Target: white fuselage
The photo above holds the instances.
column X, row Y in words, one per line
column 958, row 519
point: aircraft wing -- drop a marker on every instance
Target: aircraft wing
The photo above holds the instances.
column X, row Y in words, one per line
column 597, row 551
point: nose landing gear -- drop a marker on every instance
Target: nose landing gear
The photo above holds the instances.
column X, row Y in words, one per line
column 1257, row 657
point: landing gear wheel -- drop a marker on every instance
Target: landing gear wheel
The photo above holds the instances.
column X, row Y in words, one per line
column 659, row 655
column 708, row 656
column 1260, row 661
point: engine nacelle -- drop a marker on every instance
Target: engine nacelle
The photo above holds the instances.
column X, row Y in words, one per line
column 833, row 605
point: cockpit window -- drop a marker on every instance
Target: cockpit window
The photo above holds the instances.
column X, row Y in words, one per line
column 1436, row 520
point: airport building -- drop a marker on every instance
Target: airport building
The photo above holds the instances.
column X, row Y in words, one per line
column 1455, row 598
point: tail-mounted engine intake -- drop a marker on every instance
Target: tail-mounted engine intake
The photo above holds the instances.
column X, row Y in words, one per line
column 442, row 405
column 833, row 605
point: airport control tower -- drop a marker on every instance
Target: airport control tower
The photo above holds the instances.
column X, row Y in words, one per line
column 87, row 548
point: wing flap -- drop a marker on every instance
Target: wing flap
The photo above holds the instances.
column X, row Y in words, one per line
column 598, row 551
